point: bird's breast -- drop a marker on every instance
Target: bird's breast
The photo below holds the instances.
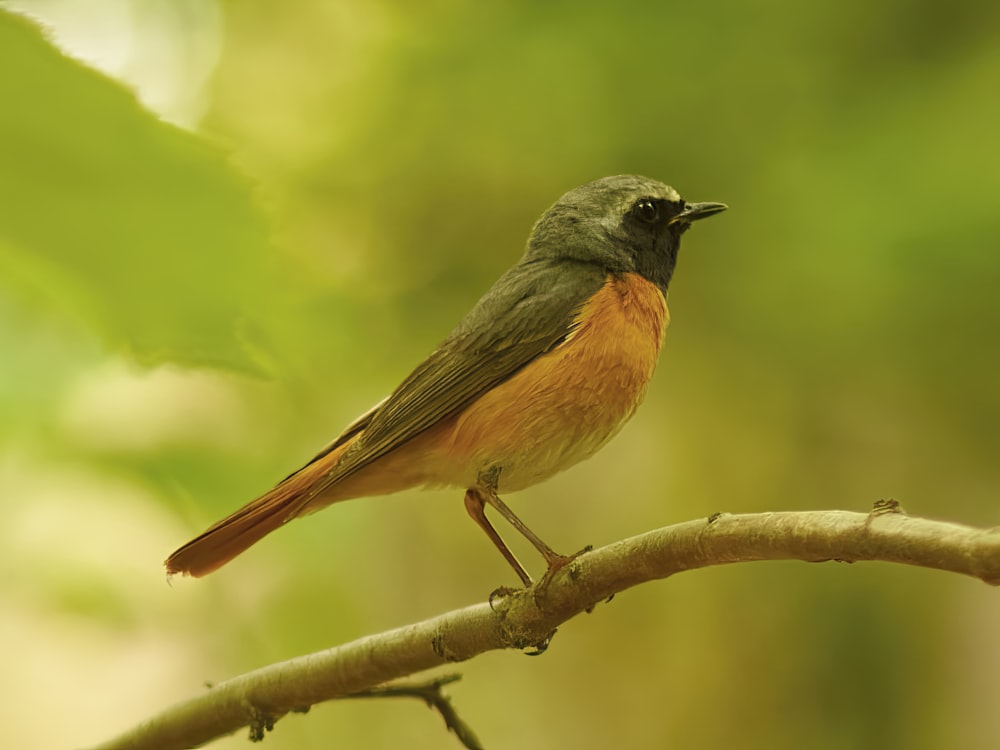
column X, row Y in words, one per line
column 563, row 406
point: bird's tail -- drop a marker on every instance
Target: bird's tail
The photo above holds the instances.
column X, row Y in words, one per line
column 235, row 533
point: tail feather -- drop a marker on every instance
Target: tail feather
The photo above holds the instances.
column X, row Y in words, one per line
column 237, row 532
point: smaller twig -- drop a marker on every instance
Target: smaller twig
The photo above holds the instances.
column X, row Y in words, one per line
column 430, row 692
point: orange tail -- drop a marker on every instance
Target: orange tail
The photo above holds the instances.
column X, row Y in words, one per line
column 235, row 533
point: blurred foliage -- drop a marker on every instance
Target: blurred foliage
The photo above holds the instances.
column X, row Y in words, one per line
column 137, row 227
column 185, row 317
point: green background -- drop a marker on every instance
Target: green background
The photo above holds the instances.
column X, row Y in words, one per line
column 185, row 318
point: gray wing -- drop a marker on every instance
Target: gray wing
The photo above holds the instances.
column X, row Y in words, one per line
column 530, row 310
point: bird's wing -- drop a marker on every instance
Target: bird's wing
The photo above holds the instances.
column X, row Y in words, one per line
column 530, row 310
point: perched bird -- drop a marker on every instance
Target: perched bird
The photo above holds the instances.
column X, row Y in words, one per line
column 541, row 373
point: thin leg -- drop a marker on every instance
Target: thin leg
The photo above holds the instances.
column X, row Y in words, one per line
column 475, row 505
column 552, row 558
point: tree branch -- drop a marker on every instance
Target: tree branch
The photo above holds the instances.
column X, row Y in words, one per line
column 431, row 693
column 528, row 618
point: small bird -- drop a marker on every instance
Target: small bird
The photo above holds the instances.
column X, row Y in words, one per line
column 542, row 372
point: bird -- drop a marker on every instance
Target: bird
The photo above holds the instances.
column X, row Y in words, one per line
column 545, row 368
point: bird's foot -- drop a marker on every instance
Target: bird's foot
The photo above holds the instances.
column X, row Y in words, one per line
column 557, row 562
column 501, row 592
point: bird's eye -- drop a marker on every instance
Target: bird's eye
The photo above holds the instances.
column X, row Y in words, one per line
column 647, row 211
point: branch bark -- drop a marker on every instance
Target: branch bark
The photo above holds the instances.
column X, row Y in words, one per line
column 528, row 618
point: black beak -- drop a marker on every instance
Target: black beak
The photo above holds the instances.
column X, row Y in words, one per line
column 695, row 211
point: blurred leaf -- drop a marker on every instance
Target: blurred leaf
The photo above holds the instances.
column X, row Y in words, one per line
column 139, row 227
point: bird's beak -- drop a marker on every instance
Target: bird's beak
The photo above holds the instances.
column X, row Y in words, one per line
column 695, row 211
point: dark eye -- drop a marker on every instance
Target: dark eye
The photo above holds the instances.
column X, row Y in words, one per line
column 646, row 211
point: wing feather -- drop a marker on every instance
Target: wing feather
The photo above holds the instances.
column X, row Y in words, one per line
column 530, row 310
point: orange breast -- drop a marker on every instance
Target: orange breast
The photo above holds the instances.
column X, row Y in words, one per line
column 566, row 404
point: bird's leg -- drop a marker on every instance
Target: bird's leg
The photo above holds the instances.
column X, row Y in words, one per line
column 475, row 505
column 552, row 558
column 475, row 500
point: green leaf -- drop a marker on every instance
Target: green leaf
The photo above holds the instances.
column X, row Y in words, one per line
column 111, row 215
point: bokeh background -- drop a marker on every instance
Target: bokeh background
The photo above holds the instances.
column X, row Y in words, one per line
column 198, row 291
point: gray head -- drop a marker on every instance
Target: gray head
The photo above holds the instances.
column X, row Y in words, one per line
column 626, row 224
